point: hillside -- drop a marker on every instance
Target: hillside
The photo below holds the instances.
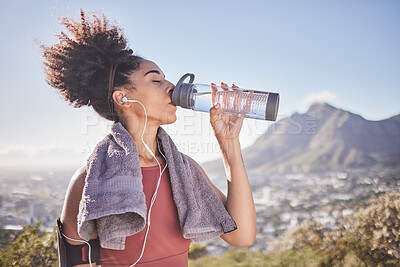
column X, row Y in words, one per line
column 323, row 138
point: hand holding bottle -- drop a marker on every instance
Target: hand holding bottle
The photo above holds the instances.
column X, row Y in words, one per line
column 235, row 101
column 225, row 127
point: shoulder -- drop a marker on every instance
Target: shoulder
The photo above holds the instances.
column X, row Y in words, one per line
column 73, row 195
column 77, row 181
column 71, row 204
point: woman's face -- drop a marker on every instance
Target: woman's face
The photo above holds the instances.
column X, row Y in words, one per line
column 154, row 92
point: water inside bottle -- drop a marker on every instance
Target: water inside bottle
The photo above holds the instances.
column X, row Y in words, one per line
column 241, row 103
column 238, row 103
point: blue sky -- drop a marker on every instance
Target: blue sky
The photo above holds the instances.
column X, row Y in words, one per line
column 345, row 52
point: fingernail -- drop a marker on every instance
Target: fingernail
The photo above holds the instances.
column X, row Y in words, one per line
column 217, row 105
column 212, row 83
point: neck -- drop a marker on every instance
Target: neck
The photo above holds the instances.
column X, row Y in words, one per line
column 135, row 129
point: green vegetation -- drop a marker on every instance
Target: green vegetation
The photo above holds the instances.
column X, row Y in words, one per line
column 30, row 248
column 305, row 256
column 370, row 237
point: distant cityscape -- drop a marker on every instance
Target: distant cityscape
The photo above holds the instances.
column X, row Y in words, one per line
column 26, row 198
column 283, row 202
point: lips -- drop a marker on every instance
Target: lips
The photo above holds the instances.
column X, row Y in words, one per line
column 171, row 101
column 170, row 97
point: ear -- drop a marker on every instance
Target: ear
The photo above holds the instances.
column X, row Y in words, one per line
column 117, row 98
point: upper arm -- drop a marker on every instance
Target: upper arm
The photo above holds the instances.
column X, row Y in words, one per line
column 221, row 195
column 70, row 210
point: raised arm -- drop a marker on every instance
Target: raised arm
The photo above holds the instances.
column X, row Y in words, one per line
column 239, row 201
column 245, row 234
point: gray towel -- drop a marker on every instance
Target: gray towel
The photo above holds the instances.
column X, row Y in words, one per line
column 113, row 201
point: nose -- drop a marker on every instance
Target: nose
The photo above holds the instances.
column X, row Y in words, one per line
column 170, row 87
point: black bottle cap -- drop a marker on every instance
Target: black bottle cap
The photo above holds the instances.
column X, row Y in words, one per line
column 182, row 93
column 271, row 111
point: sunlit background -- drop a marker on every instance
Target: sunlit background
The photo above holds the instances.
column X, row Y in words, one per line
column 342, row 52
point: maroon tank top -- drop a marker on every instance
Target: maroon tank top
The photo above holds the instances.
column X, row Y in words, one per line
column 165, row 244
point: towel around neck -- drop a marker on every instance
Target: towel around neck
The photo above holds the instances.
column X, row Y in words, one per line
column 113, row 202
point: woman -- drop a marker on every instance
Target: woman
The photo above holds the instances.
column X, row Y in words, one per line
column 96, row 68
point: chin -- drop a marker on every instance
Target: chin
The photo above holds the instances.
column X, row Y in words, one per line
column 172, row 119
column 169, row 118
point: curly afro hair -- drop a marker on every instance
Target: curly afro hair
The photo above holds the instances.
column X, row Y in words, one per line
column 81, row 68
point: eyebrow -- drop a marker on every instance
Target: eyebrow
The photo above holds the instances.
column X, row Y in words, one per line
column 153, row 71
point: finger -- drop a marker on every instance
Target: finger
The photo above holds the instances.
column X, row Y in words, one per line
column 225, row 95
column 238, row 99
column 224, row 87
column 249, row 100
column 215, row 109
column 214, row 90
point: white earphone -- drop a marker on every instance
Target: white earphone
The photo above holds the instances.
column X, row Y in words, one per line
column 124, row 99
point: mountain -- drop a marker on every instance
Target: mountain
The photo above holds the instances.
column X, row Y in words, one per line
column 323, row 138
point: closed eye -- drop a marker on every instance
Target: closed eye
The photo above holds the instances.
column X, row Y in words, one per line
column 156, row 81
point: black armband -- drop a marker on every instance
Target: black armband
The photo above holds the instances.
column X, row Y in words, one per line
column 70, row 255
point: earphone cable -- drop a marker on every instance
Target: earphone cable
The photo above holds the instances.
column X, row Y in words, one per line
column 153, row 199
column 87, row 243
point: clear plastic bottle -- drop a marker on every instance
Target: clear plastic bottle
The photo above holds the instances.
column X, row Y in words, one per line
column 234, row 101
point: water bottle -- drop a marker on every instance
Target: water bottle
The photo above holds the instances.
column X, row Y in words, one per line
column 234, row 101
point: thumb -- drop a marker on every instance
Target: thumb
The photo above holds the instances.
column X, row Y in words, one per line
column 215, row 109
